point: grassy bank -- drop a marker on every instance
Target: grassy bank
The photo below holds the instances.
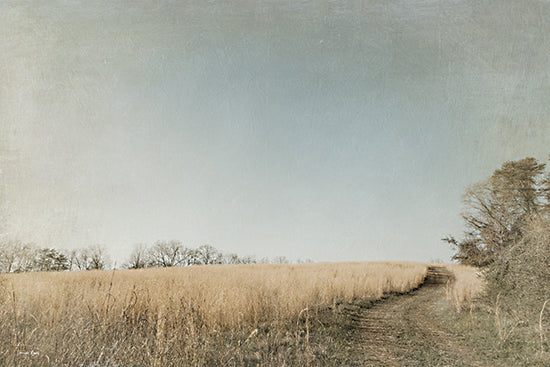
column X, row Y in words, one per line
column 510, row 336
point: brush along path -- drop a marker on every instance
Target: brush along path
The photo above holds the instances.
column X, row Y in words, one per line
column 403, row 330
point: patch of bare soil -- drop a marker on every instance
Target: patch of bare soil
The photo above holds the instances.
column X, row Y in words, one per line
column 407, row 330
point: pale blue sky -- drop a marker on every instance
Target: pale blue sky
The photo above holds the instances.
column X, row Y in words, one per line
column 330, row 130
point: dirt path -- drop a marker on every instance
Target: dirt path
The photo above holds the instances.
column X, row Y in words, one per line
column 405, row 331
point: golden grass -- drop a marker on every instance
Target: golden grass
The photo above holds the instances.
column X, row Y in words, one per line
column 151, row 316
column 467, row 286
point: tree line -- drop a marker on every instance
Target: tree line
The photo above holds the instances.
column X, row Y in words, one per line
column 165, row 254
column 17, row 256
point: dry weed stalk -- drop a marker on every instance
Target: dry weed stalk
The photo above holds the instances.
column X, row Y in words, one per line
column 306, row 311
column 540, row 327
column 497, row 317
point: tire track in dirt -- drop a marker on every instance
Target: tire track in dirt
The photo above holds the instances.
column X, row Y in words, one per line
column 402, row 330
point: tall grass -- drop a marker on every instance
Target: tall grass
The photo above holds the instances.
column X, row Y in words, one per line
column 210, row 315
column 467, row 285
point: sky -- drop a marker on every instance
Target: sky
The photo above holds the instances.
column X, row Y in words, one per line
column 329, row 130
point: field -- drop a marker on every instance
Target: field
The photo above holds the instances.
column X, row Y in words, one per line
column 203, row 315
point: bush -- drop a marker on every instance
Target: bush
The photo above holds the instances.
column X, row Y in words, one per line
column 520, row 277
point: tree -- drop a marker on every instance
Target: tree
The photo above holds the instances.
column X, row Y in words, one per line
column 79, row 259
column 90, row 258
column 50, row 259
column 8, row 254
column 235, row 259
column 232, row 259
column 281, row 260
column 98, row 258
column 166, row 254
column 16, row 256
column 138, row 258
column 208, row 255
column 248, row 259
column 190, row 256
column 497, row 210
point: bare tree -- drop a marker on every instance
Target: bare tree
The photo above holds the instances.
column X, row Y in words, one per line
column 16, row 256
column 166, row 254
column 190, row 257
column 77, row 259
column 90, row 258
column 98, row 258
column 236, row 259
column 281, row 260
column 231, row 259
column 138, row 257
column 248, row 259
column 8, row 254
column 208, row 255
column 71, row 259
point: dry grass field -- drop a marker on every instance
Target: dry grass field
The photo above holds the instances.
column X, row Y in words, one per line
column 204, row 315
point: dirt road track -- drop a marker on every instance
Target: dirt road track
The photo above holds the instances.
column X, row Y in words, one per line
column 403, row 331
